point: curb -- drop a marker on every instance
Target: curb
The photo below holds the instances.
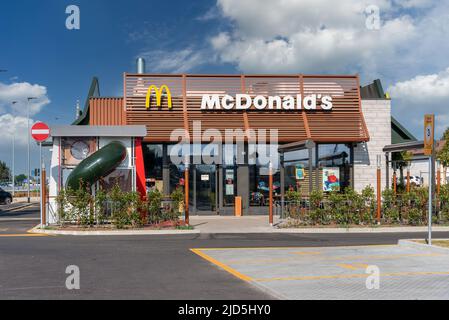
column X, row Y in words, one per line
column 412, row 244
column 249, row 231
column 36, row 230
column 362, row 230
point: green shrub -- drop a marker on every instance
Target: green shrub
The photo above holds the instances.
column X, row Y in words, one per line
column 369, row 205
column 415, row 217
column 391, row 215
column 126, row 208
column 177, row 197
column 293, row 196
column 101, row 198
column 338, row 208
column 154, row 206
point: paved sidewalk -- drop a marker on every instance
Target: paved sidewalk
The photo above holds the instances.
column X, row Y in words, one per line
column 226, row 224
column 337, row 273
column 260, row 224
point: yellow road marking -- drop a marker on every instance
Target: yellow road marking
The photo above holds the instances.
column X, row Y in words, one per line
column 225, row 267
column 351, row 276
column 295, row 248
column 307, row 253
column 354, row 266
column 386, row 256
column 327, row 258
column 22, row 235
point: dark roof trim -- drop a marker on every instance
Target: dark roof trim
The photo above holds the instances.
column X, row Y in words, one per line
column 300, row 145
column 401, row 132
column 94, row 91
column 373, row 91
column 399, row 147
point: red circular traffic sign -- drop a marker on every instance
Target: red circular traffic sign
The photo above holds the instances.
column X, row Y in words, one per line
column 40, row 132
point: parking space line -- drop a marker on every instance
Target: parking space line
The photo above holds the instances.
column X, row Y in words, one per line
column 351, row 276
column 225, row 267
column 323, row 257
column 307, row 253
column 301, row 248
column 355, row 266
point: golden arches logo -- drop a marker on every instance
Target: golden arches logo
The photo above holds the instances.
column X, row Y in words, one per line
column 159, row 92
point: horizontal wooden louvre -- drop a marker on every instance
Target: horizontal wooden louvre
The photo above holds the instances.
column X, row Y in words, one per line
column 107, row 112
column 343, row 123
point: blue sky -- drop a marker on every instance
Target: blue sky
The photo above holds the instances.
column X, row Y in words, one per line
column 43, row 58
column 37, row 48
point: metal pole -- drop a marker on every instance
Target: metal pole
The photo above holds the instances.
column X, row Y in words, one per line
column 13, row 154
column 13, row 158
column 41, row 182
column 270, row 185
column 28, row 145
column 429, row 240
column 395, row 183
column 408, row 179
column 28, row 148
column 379, row 188
column 186, row 195
column 44, row 192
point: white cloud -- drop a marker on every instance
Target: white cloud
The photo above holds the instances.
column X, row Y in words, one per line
column 414, row 3
column 17, row 126
column 13, row 121
column 324, row 36
column 20, row 92
column 174, row 61
column 423, row 88
column 13, row 126
column 420, row 95
column 310, row 36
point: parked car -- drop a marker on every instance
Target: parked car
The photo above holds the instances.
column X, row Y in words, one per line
column 5, row 197
column 414, row 181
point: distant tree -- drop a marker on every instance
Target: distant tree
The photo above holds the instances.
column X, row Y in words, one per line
column 5, row 173
column 20, row 179
column 443, row 154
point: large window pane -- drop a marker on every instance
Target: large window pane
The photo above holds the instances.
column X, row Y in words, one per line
column 334, row 163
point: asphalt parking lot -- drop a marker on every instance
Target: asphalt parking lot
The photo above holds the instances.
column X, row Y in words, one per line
column 339, row 272
column 164, row 267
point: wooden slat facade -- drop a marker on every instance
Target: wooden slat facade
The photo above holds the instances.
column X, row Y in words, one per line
column 345, row 123
column 107, row 112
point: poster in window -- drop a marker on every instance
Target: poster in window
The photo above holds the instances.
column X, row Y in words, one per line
column 300, row 174
column 331, row 179
column 229, row 182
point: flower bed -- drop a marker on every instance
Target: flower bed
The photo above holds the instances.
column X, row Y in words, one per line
column 355, row 209
column 115, row 209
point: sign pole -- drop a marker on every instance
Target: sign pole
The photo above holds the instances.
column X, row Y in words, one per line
column 41, row 183
column 430, row 201
column 379, row 189
column 429, row 148
column 270, row 185
column 41, row 132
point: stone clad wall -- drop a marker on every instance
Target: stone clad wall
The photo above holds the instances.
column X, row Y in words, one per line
column 377, row 115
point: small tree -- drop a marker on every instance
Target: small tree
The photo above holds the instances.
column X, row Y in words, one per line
column 4, row 171
column 443, row 154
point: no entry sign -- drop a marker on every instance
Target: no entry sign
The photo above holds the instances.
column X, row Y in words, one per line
column 40, row 132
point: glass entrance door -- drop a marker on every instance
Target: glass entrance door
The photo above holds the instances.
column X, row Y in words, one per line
column 205, row 189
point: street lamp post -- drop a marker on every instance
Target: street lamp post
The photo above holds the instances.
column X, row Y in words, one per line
column 28, row 144
column 13, row 153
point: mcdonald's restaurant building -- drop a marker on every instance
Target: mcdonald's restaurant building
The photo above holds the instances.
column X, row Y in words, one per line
column 330, row 133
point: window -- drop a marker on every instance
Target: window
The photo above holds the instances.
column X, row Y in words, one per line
column 153, row 159
column 334, row 163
